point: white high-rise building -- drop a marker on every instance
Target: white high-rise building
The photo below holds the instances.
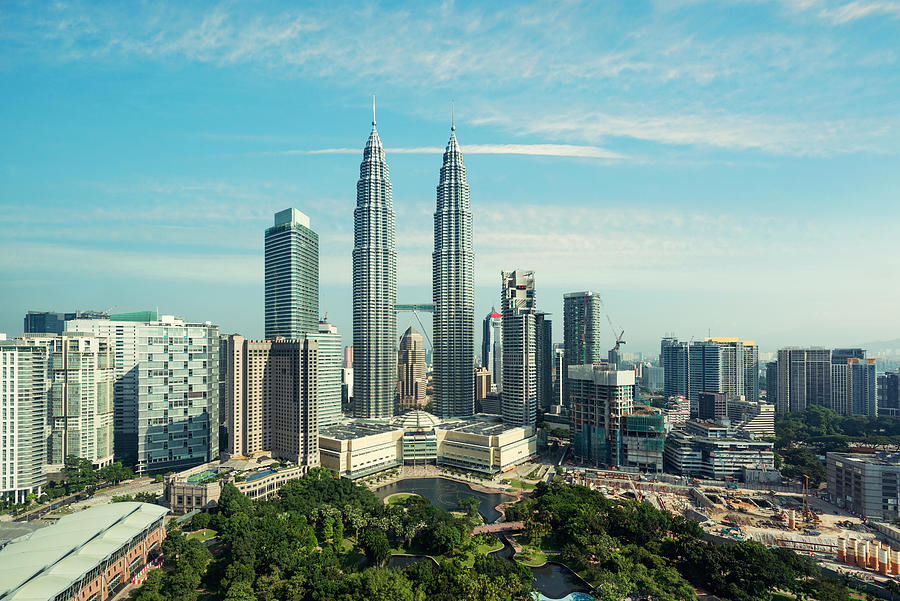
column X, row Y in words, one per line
column 24, row 386
column 330, row 361
column 80, row 409
column 374, row 287
column 166, row 394
column 519, row 396
column 453, row 288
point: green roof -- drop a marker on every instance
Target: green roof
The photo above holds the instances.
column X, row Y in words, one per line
column 40, row 565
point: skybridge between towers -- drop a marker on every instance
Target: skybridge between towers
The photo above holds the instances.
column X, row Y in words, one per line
column 415, row 309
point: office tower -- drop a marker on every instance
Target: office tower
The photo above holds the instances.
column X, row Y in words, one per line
column 654, row 378
column 411, row 370
column 292, row 276
column 24, row 384
column 374, row 287
column 492, row 346
column 166, row 394
column 804, row 378
column 888, row 385
column 674, row 358
column 47, row 322
column 453, row 289
column 559, row 361
column 544, row 358
column 482, row 385
column 853, row 383
column 329, row 372
column 711, row 406
column 840, row 388
column 726, row 365
column 582, row 315
column 601, row 397
column 348, row 357
column 80, row 409
column 272, row 398
column 519, row 396
column 772, row 382
column 862, row 395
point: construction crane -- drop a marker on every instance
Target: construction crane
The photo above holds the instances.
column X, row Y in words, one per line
column 617, row 337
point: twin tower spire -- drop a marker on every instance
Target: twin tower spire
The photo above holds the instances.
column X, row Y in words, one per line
column 375, row 287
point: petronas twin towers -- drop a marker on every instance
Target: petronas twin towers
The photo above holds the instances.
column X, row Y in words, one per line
column 375, row 288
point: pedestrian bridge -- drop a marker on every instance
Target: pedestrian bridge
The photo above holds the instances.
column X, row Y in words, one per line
column 501, row 527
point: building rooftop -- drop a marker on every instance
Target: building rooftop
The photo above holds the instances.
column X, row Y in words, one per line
column 356, row 429
column 416, row 419
column 891, row 459
column 482, row 424
column 40, row 565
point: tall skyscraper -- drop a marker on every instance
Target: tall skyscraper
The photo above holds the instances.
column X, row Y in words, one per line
column 519, row 396
column 862, row 387
column 727, row 365
column 166, row 394
column 544, row 359
column 292, row 277
column 453, row 289
column 804, row 378
column 582, row 315
column 272, row 403
column 411, row 370
column 492, row 346
column 374, row 287
column 772, row 382
column 24, row 384
column 329, row 373
column 674, row 358
column 888, row 389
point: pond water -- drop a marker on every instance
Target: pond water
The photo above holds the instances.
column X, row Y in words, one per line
column 446, row 494
column 553, row 580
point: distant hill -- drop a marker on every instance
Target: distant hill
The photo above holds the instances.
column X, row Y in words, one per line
column 882, row 346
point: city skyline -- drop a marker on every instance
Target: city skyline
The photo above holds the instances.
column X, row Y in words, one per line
column 667, row 183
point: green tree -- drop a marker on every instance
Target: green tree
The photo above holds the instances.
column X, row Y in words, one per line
column 232, row 501
column 338, row 532
column 375, row 545
column 327, row 529
column 200, row 521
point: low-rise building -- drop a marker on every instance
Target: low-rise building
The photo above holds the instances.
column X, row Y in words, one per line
column 201, row 487
column 757, row 419
column 480, row 443
column 86, row 556
column 711, row 450
column 865, row 484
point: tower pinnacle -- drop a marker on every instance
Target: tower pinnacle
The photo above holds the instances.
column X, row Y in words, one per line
column 452, row 120
column 373, row 109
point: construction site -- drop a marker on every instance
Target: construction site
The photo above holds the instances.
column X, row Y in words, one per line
column 776, row 517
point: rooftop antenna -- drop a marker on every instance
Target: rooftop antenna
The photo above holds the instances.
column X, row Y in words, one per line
column 373, row 108
column 452, row 120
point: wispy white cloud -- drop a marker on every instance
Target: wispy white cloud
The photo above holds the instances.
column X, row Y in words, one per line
column 549, row 150
column 860, row 9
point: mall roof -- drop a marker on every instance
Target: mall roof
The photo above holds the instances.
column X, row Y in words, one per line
column 40, row 565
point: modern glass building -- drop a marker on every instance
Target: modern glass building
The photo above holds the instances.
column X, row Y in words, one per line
column 331, row 358
column 166, row 394
column 519, row 397
column 453, row 289
column 544, row 358
column 492, row 346
column 582, row 315
column 374, row 287
column 292, row 277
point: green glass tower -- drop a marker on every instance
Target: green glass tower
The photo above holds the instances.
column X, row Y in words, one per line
column 292, row 277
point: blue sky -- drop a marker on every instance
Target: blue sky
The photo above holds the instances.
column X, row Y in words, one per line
column 724, row 167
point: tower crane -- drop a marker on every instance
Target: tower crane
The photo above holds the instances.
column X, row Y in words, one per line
column 617, row 337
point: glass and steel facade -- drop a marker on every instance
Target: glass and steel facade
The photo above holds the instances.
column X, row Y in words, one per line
column 329, row 374
column 166, row 394
column 453, row 288
column 374, row 287
column 519, row 396
column 292, row 277
column 582, row 315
